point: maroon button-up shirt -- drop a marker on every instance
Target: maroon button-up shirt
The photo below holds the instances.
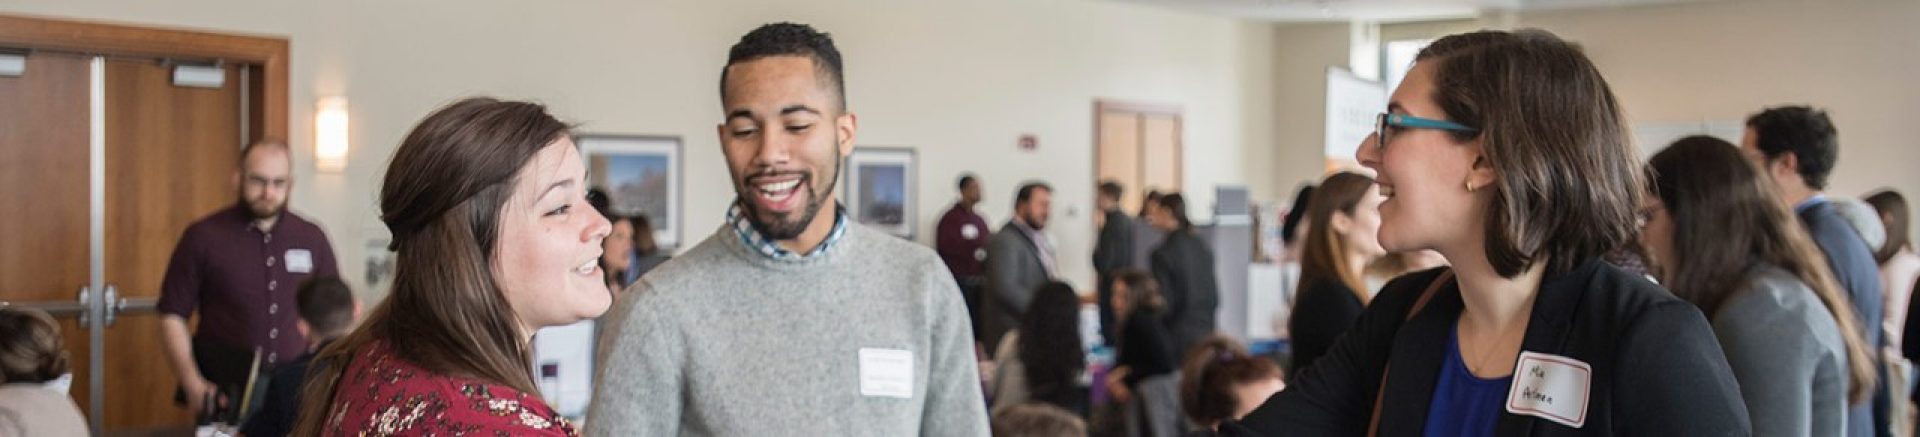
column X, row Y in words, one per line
column 242, row 280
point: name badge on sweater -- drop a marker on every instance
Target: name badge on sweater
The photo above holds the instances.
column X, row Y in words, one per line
column 886, row 373
column 299, row 261
column 1550, row 387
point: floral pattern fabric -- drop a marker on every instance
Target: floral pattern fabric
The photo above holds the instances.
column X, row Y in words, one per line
column 384, row 395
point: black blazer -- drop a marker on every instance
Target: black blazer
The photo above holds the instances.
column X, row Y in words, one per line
column 1321, row 312
column 1657, row 369
column 1183, row 264
column 1113, row 252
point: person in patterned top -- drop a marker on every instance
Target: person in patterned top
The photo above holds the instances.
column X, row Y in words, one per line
column 486, row 201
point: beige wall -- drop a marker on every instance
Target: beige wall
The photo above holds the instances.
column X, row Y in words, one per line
column 1724, row 61
column 1302, row 54
column 959, row 80
column 1714, row 61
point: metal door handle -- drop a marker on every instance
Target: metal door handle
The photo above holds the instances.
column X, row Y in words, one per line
column 114, row 303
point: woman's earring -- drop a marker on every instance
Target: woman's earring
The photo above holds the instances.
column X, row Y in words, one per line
column 1469, row 186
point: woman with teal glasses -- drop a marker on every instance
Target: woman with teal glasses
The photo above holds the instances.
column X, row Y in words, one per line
column 1506, row 153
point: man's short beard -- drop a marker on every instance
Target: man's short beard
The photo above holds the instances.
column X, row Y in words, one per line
column 258, row 215
column 1028, row 218
column 790, row 229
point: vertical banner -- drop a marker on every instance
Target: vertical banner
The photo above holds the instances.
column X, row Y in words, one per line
column 1352, row 104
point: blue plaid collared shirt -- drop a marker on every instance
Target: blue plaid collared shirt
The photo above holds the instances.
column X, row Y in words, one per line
column 737, row 218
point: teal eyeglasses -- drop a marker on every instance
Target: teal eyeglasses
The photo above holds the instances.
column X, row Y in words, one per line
column 1388, row 119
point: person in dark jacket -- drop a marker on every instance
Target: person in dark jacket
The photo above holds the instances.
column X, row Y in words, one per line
column 1183, row 264
column 1145, row 349
column 1796, row 147
column 1113, row 252
column 1342, row 221
column 327, row 312
column 1506, row 153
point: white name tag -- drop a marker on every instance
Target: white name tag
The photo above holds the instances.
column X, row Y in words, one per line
column 1550, row 387
column 299, row 261
column 886, row 372
column 969, row 231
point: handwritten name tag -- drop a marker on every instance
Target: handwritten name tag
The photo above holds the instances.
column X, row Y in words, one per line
column 1550, row 387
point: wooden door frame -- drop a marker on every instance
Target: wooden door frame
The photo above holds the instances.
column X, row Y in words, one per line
column 1101, row 106
column 269, row 52
column 267, row 118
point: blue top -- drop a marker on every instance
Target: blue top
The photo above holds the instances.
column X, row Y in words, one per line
column 1463, row 404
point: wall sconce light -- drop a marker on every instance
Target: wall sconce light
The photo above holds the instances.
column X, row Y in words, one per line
column 330, row 134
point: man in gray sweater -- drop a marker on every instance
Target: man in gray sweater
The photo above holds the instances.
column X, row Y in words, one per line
column 791, row 319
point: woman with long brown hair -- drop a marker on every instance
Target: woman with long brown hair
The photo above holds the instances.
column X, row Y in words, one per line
column 486, row 201
column 1899, row 265
column 1719, row 237
column 1342, row 220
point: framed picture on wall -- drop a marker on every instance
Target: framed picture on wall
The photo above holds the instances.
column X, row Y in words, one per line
column 879, row 188
column 641, row 175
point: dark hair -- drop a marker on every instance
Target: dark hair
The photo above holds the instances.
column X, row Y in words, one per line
column 1209, row 373
column 1034, row 419
column 31, row 349
column 1050, row 346
column 1176, row 205
column 1803, row 131
column 1299, row 211
column 643, row 243
column 1324, row 258
column 1143, row 292
column 791, row 39
column 1568, row 180
column 1893, row 209
column 1727, row 218
column 442, row 199
column 965, row 178
column 1151, row 199
column 609, row 274
column 326, row 304
column 1026, row 192
column 598, row 199
column 1111, row 190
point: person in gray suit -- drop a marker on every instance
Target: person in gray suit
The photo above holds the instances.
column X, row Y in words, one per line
column 1183, row 263
column 1019, row 261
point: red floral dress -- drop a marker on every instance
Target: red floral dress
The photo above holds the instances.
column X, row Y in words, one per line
column 384, row 395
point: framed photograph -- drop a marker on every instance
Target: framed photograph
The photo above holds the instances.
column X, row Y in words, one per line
column 880, row 187
column 641, row 175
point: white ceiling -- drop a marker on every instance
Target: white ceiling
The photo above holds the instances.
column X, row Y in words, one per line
column 1379, row 10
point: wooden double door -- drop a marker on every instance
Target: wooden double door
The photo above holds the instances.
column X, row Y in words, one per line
column 104, row 161
column 1138, row 145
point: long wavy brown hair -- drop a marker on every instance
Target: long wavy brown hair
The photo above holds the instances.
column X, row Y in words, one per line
column 442, row 200
column 1726, row 220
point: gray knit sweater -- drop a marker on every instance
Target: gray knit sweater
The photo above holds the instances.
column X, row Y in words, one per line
column 725, row 341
